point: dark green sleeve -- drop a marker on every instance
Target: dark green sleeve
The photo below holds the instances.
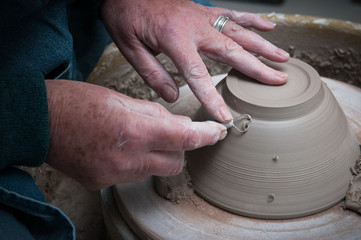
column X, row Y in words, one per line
column 24, row 124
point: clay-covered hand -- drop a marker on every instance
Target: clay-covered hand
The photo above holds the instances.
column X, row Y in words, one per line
column 181, row 29
column 100, row 137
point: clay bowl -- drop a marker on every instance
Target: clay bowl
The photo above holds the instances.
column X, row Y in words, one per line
column 295, row 158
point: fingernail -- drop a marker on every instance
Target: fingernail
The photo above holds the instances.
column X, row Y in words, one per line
column 271, row 24
column 282, row 53
column 226, row 114
column 223, row 134
column 169, row 93
column 282, row 77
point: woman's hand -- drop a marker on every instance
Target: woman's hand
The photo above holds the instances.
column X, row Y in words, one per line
column 181, row 29
column 100, row 137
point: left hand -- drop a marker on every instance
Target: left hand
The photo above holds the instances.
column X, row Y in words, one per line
column 100, row 137
column 181, row 29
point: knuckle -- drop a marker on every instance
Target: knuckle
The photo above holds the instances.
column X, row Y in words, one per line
column 175, row 166
column 208, row 92
column 171, row 30
column 178, row 167
column 245, row 19
column 134, row 168
column 233, row 29
column 257, row 74
column 151, row 76
column 195, row 72
column 143, row 168
column 159, row 110
column 235, row 12
column 236, row 15
column 167, row 25
column 191, row 139
column 231, row 47
column 250, row 17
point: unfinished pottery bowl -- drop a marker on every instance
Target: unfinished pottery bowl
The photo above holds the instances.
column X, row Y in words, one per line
column 295, row 158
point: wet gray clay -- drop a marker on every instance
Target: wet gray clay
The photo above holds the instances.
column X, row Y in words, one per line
column 295, row 158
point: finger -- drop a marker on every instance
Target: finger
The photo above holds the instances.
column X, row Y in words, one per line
column 251, row 20
column 183, row 136
column 165, row 163
column 253, row 42
column 151, row 71
column 224, row 49
column 192, row 68
column 245, row 19
column 159, row 163
column 156, row 110
column 147, row 108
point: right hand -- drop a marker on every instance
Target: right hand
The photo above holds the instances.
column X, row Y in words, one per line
column 100, row 137
column 180, row 29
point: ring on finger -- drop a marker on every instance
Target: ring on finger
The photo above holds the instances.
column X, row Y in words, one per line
column 220, row 23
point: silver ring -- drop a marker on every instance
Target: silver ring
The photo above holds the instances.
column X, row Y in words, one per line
column 220, row 23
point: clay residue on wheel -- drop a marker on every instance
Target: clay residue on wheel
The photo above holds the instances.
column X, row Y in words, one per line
column 338, row 63
column 331, row 46
column 174, row 188
column 353, row 197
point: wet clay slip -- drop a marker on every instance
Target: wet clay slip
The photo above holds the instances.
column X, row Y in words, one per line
column 295, row 158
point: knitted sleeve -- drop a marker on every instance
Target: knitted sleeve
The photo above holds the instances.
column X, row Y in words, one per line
column 24, row 124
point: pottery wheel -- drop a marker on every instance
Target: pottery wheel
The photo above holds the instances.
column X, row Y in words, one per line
column 152, row 217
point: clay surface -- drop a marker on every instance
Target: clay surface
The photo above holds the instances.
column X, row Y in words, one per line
column 152, row 217
column 292, row 162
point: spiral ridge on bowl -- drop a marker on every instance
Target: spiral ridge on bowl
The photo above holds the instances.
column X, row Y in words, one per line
column 295, row 158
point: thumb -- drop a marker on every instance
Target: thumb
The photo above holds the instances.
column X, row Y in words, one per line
column 175, row 135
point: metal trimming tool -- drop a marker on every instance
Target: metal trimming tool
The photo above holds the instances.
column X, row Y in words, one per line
column 241, row 123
